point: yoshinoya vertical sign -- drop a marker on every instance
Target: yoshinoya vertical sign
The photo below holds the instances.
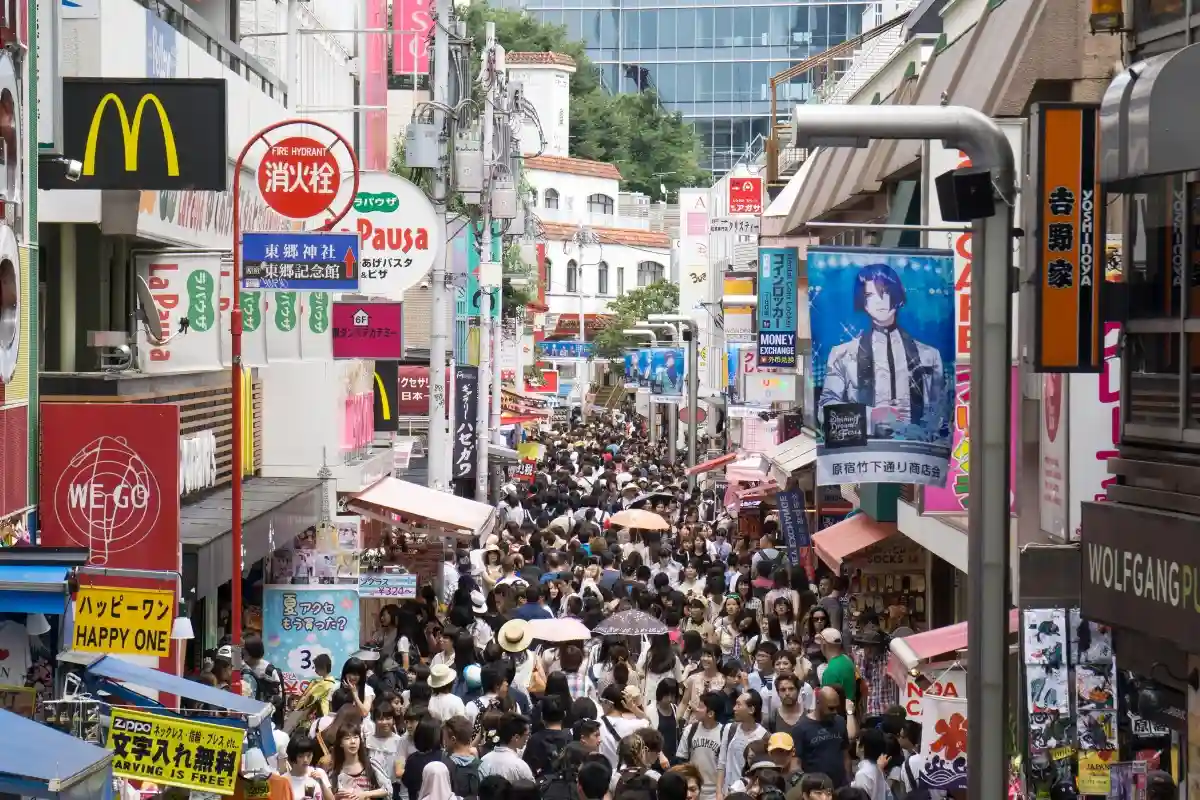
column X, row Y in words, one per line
column 110, row 482
column 883, row 363
column 1069, row 238
column 466, row 404
column 777, row 300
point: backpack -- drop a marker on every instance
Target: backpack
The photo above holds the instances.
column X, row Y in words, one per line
column 558, row 785
column 267, row 689
column 464, row 778
column 634, row 785
column 484, row 706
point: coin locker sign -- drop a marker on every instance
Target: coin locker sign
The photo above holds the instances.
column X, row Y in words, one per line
column 175, row 752
column 125, row 621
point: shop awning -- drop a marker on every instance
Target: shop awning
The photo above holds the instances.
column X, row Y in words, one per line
column 795, row 453
column 750, row 469
column 760, row 492
column 273, row 511
column 28, row 589
column 498, row 452
column 38, row 761
column 918, row 648
column 712, row 463
column 852, row 535
column 422, row 503
column 114, row 669
column 520, row 419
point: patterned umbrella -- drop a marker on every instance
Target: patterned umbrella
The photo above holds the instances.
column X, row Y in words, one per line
column 630, row 623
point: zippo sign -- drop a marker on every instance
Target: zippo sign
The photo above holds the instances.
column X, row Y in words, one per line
column 745, row 196
column 110, row 482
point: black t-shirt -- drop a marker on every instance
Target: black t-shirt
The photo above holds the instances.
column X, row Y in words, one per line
column 543, row 747
column 414, row 768
column 821, row 746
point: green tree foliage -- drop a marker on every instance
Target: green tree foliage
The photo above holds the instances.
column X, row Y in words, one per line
column 648, row 145
column 661, row 297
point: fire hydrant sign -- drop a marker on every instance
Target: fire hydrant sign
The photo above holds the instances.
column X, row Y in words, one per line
column 175, row 752
column 299, row 177
column 295, row 261
column 125, row 621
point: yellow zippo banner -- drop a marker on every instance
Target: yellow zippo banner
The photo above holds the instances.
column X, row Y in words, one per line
column 175, row 752
column 126, row 621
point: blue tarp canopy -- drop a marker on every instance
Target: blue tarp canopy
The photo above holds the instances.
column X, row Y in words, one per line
column 33, row 589
column 117, row 670
column 38, row 761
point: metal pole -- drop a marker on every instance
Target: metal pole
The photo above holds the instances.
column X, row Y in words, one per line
column 485, row 295
column 439, row 440
column 991, row 374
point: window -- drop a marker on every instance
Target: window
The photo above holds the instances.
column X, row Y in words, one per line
column 532, row 198
column 649, row 272
column 549, row 276
column 620, row 281
column 572, row 276
column 551, row 198
column 600, row 204
column 602, row 278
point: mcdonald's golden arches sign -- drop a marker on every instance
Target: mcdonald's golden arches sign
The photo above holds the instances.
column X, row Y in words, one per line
column 144, row 134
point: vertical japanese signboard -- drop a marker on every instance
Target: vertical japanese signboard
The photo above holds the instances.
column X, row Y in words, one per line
column 793, row 519
column 466, row 404
column 1068, row 239
column 777, row 275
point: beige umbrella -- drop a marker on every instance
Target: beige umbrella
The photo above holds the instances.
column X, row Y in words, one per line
column 636, row 518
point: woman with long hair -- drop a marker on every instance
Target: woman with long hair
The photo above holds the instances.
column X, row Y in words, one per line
column 394, row 646
column 707, row 679
column 354, row 678
column 726, row 630
column 353, row 775
column 690, row 649
column 658, row 662
column 427, row 748
column 781, row 623
column 554, row 597
column 818, row 620
column 612, row 653
column 465, row 655
column 493, row 569
column 782, row 588
column 745, row 592
column 558, row 687
column 747, row 638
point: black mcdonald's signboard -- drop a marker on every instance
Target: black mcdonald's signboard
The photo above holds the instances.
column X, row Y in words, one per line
column 143, row 134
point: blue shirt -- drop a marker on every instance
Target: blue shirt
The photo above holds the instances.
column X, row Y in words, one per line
column 532, row 611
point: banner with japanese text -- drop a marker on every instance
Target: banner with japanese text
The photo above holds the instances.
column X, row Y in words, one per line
column 170, row 751
column 778, row 269
column 944, row 746
column 303, row 622
column 883, row 364
column 466, row 404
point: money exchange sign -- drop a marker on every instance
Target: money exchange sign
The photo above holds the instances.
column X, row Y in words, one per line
column 126, row 621
column 175, row 752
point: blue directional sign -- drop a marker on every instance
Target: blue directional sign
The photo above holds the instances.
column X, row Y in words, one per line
column 300, row 261
column 568, row 350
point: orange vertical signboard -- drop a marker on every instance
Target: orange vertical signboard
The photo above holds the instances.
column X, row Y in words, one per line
column 1068, row 239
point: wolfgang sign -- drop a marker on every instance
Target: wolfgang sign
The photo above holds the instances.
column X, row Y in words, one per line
column 110, row 482
column 1149, row 583
column 133, row 133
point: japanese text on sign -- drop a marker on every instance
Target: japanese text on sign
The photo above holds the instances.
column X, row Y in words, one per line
column 313, row 261
column 777, row 307
column 310, row 615
column 881, row 466
column 383, row 584
column 299, row 177
column 175, row 752
column 747, row 226
column 466, row 382
column 126, row 621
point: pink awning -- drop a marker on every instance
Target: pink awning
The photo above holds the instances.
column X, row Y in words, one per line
column 711, row 464
column 759, row 492
column 838, row 542
column 911, row 651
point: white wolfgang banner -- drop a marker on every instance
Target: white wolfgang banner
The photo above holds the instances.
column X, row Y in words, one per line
column 942, row 160
column 1094, row 428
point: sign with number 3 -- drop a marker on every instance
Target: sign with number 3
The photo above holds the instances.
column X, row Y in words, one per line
column 303, row 622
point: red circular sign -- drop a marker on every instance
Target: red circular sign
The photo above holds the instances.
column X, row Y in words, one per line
column 685, row 416
column 299, row 177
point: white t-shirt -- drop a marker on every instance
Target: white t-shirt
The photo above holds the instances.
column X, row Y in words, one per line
column 704, row 754
column 383, row 753
column 445, row 706
column 309, row 782
column 14, row 653
column 733, row 753
column 622, row 726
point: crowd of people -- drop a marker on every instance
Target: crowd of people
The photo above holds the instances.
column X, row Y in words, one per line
column 732, row 673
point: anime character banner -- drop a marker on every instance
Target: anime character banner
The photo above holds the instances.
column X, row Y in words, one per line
column 883, row 363
column 668, row 374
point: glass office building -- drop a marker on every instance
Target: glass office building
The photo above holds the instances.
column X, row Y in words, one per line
column 710, row 61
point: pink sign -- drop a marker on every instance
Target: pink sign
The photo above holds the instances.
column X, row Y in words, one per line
column 376, row 151
column 952, row 498
column 358, row 423
column 367, row 330
column 413, row 19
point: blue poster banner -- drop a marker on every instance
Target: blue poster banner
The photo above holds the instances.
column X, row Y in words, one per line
column 777, row 300
column 793, row 519
column 643, row 368
column 302, row 622
column 565, row 351
column 668, row 373
column 631, row 381
column 883, row 355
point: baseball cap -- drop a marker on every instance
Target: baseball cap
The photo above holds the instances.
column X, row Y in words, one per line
column 757, row 765
column 780, row 741
column 831, row 636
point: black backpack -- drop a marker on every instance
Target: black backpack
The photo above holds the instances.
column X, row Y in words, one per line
column 635, row 785
column 464, row 778
column 559, row 785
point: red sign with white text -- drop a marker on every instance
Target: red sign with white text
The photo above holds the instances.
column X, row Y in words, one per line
column 299, row 177
column 745, row 196
column 412, row 21
column 110, row 482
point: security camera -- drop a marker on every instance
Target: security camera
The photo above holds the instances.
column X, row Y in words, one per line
column 425, row 284
column 73, row 169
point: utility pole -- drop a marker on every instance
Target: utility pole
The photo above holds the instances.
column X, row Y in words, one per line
column 487, row 271
column 439, row 441
column 497, row 94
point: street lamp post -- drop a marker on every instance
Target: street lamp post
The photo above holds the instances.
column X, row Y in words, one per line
column 966, row 129
column 640, row 332
column 693, row 381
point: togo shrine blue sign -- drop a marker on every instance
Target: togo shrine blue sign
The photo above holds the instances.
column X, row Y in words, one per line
column 571, row 350
column 299, row 261
column 777, row 301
